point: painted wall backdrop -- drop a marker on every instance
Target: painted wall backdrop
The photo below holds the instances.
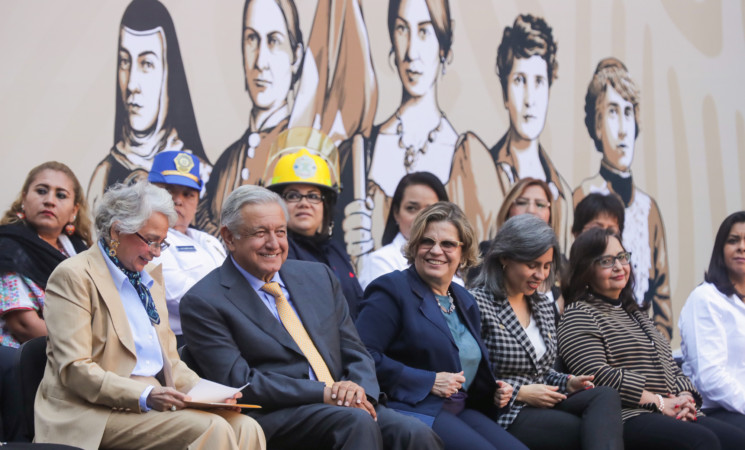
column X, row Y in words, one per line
column 59, row 89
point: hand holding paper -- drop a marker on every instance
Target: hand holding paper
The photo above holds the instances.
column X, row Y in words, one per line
column 208, row 394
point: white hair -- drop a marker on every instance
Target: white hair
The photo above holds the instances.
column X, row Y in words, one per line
column 127, row 208
column 230, row 216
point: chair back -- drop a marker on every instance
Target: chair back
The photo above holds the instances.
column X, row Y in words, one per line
column 32, row 359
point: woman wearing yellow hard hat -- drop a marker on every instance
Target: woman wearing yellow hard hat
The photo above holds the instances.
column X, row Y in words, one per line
column 303, row 164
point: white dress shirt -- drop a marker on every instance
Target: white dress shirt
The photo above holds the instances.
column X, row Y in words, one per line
column 147, row 345
column 712, row 328
column 190, row 257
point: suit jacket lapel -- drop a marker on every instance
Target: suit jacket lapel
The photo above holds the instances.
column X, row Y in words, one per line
column 428, row 304
column 305, row 308
column 101, row 276
column 240, row 292
column 508, row 317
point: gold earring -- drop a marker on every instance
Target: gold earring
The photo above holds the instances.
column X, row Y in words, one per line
column 112, row 248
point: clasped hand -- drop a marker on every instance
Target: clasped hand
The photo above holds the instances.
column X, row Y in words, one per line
column 447, row 383
column 682, row 407
column 503, row 394
column 540, row 395
column 348, row 394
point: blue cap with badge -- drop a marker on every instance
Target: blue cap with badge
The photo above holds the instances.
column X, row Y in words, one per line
column 174, row 167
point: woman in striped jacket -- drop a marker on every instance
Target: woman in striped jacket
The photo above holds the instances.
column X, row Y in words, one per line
column 603, row 333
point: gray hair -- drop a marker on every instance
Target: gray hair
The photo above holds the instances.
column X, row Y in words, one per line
column 127, row 208
column 230, row 216
column 522, row 238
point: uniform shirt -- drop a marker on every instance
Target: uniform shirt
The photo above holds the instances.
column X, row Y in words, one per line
column 712, row 328
column 190, row 257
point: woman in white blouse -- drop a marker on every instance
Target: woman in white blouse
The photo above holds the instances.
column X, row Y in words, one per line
column 712, row 327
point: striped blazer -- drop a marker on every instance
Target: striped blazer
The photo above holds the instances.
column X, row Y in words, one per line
column 624, row 351
column 512, row 356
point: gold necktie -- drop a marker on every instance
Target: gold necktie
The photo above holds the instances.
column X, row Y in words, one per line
column 293, row 326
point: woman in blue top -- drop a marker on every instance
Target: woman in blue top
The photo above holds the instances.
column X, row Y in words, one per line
column 423, row 331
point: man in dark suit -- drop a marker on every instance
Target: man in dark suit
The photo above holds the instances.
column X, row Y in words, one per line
column 284, row 327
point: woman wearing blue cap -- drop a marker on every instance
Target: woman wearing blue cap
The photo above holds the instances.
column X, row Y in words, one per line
column 193, row 253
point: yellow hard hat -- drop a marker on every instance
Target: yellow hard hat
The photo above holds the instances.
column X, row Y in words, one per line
column 302, row 155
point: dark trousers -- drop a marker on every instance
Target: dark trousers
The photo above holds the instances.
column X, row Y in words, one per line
column 657, row 432
column 732, row 418
column 472, row 430
column 321, row 426
column 589, row 419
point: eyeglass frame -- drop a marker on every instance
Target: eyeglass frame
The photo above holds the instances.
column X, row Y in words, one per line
column 162, row 246
column 428, row 247
column 304, row 196
column 618, row 257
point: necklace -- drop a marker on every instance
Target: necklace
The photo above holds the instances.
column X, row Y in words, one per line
column 451, row 308
column 411, row 153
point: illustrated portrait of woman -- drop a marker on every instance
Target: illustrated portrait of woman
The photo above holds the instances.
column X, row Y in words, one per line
column 612, row 120
column 153, row 105
column 418, row 137
column 272, row 46
column 527, row 67
column 332, row 95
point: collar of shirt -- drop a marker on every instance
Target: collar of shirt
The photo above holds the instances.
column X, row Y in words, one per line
column 119, row 278
column 147, row 345
column 265, row 297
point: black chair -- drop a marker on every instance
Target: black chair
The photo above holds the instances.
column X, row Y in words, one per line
column 32, row 359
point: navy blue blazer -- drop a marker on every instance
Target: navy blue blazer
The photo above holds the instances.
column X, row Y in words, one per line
column 404, row 330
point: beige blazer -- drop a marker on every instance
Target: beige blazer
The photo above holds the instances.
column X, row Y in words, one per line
column 91, row 353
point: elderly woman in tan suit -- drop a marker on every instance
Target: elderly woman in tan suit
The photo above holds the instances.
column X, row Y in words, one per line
column 113, row 377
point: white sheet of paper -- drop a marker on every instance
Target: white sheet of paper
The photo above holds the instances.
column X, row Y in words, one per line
column 208, row 391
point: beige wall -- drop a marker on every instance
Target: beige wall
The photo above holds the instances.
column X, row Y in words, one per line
column 57, row 90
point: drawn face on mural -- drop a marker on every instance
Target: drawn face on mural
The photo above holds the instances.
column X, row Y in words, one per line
column 527, row 96
column 416, row 48
column 142, row 75
column 268, row 59
column 616, row 129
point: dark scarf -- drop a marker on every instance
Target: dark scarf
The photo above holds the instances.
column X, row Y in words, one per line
column 623, row 186
column 136, row 279
column 22, row 251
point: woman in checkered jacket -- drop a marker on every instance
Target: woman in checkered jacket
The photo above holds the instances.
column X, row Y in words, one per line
column 548, row 409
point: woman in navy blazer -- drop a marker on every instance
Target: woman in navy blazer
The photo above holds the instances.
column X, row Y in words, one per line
column 423, row 331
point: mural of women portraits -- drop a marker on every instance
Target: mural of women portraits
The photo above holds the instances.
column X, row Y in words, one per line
column 639, row 100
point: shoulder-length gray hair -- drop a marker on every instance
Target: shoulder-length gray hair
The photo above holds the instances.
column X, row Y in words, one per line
column 230, row 216
column 522, row 238
column 127, row 208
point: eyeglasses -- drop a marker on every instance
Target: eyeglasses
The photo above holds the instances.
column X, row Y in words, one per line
column 523, row 202
column 608, row 261
column 162, row 246
column 446, row 246
column 295, row 197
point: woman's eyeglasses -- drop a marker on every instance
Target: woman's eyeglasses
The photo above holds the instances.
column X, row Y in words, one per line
column 154, row 246
column 608, row 261
column 295, row 197
column 523, row 202
column 446, row 246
